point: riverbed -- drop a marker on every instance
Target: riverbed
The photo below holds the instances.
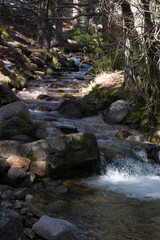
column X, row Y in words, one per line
column 123, row 201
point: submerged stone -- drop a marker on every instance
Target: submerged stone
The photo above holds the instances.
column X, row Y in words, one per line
column 53, row 229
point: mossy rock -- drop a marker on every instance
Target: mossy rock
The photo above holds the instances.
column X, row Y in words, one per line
column 73, row 108
column 123, row 135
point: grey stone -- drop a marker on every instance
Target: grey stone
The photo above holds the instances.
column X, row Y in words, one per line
column 77, row 109
column 10, row 225
column 20, row 194
column 55, row 207
column 70, row 155
column 29, row 232
column 15, row 109
column 6, row 204
column 8, row 195
column 4, row 167
column 9, row 148
column 24, row 211
column 6, row 95
column 13, row 127
column 53, row 229
column 18, row 204
column 116, row 112
column 16, row 174
column 34, row 209
column 41, row 168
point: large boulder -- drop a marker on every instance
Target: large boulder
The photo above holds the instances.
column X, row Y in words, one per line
column 10, row 225
column 15, row 120
column 6, row 95
column 53, row 229
column 15, row 109
column 70, row 155
column 77, row 109
column 116, row 112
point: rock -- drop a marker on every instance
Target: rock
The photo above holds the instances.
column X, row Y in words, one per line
column 9, row 148
column 45, row 109
column 66, row 63
column 49, row 71
column 46, row 130
column 70, row 155
column 77, row 109
column 55, row 207
column 116, row 112
column 152, row 151
column 21, row 138
column 8, row 195
column 16, row 175
column 53, row 229
column 41, row 168
column 29, row 232
column 34, row 209
column 4, row 167
column 18, row 204
column 123, row 135
column 15, row 109
column 42, row 96
column 57, row 187
column 69, row 110
column 14, row 126
column 20, row 194
column 6, row 95
column 10, row 225
column 21, row 162
column 24, row 211
column 6, row 205
column 68, row 96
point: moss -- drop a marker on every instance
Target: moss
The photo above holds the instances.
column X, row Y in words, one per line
column 21, row 80
column 29, row 156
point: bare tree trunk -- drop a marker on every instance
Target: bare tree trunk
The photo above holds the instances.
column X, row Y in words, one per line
column 58, row 34
column 75, row 22
column 44, row 28
column 131, row 45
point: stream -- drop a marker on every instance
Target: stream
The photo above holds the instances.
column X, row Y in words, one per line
column 124, row 201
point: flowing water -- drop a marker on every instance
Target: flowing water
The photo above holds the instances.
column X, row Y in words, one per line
column 124, row 201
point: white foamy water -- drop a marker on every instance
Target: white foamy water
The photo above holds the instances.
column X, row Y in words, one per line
column 130, row 177
column 30, row 95
column 140, row 187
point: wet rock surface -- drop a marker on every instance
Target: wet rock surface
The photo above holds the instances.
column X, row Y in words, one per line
column 52, row 228
column 68, row 155
column 10, row 225
column 6, row 95
column 116, row 112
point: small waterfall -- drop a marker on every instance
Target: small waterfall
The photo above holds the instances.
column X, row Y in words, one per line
column 133, row 177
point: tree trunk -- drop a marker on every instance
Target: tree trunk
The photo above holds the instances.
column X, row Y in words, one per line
column 131, row 46
column 58, row 34
column 75, row 22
